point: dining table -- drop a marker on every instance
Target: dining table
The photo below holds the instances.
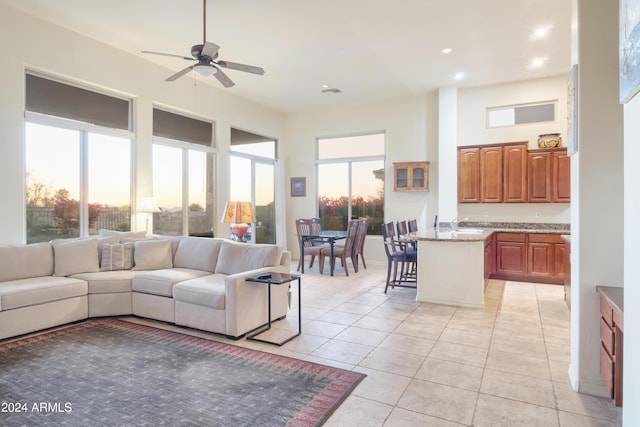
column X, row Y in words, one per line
column 325, row 236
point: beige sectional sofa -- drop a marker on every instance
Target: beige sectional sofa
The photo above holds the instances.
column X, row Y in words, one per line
column 190, row 281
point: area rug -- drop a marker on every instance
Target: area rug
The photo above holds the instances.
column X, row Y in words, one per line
column 109, row 372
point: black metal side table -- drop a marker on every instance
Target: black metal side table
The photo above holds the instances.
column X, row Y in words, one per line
column 276, row 279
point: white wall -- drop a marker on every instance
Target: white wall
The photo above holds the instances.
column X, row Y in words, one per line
column 410, row 126
column 35, row 44
column 473, row 130
column 631, row 413
column 597, row 230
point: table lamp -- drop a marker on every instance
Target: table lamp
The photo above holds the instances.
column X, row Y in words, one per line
column 149, row 207
column 239, row 215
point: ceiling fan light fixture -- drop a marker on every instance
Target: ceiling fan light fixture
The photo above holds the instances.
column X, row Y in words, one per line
column 205, row 70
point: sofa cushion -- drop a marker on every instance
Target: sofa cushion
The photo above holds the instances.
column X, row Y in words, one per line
column 237, row 257
column 116, row 256
column 23, row 261
column 160, row 282
column 105, row 282
column 152, row 255
column 39, row 290
column 75, row 256
column 208, row 291
column 199, row 253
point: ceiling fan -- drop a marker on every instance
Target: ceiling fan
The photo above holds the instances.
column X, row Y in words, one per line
column 206, row 55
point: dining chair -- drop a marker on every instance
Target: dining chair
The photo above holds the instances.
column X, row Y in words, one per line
column 412, row 225
column 358, row 246
column 402, row 228
column 342, row 251
column 398, row 253
column 311, row 248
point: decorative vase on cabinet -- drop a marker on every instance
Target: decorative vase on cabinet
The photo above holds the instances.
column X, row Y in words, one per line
column 549, row 140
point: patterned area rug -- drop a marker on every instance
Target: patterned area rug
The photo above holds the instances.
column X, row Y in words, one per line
column 109, row 372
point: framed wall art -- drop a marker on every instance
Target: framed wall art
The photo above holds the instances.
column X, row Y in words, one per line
column 572, row 111
column 298, row 187
column 629, row 30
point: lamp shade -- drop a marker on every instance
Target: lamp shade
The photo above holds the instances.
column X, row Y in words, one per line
column 148, row 205
column 238, row 213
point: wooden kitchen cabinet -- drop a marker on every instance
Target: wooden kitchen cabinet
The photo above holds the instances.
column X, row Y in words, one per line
column 539, row 170
column 491, row 171
column 549, row 175
column 562, row 176
column 489, row 257
column 611, row 340
column 411, row 176
column 535, row 257
column 511, row 254
column 469, row 175
column 515, row 173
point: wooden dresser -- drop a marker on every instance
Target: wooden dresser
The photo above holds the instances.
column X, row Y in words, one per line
column 612, row 337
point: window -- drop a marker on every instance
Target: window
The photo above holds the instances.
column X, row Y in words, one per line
column 252, row 178
column 78, row 170
column 350, row 184
column 183, row 159
column 521, row 114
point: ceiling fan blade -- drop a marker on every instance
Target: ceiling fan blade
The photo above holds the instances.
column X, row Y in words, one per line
column 180, row 73
column 167, row 54
column 241, row 67
column 223, row 78
column 210, row 50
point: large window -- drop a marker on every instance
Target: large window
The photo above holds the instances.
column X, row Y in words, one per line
column 350, row 184
column 252, row 178
column 183, row 159
column 78, row 161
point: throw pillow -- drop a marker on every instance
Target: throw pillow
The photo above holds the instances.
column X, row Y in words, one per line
column 117, row 256
column 152, row 255
column 237, row 257
column 75, row 256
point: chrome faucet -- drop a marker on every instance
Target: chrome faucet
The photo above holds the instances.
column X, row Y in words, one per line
column 454, row 223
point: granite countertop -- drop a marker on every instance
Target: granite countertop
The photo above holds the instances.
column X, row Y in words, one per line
column 479, row 231
column 615, row 295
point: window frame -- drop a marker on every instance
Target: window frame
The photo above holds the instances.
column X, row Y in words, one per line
column 84, row 130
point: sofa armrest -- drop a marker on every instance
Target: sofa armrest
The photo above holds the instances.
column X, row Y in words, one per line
column 246, row 302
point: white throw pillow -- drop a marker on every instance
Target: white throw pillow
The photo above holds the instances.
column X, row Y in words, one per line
column 75, row 256
column 117, row 256
column 237, row 257
column 152, row 255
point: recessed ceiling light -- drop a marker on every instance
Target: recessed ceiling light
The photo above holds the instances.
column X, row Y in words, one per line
column 540, row 32
column 459, row 76
column 326, row 86
column 538, row 62
column 446, row 50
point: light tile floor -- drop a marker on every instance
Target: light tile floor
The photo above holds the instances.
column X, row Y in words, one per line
column 433, row 365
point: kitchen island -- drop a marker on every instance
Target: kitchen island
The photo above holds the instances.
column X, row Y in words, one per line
column 451, row 266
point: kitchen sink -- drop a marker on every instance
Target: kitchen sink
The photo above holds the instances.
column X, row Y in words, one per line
column 469, row 230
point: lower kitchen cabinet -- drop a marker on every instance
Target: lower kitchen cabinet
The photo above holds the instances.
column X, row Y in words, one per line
column 530, row 256
column 611, row 340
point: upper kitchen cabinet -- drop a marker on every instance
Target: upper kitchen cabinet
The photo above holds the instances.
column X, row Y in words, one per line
column 411, row 176
column 491, row 184
column 469, row 175
column 515, row 173
column 492, row 173
column 549, row 174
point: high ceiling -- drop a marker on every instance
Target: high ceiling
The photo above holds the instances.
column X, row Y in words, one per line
column 368, row 49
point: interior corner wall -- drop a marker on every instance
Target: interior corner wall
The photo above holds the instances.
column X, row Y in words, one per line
column 597, row 245
column 631, row 383
column 39, row 45
column 410, row 127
